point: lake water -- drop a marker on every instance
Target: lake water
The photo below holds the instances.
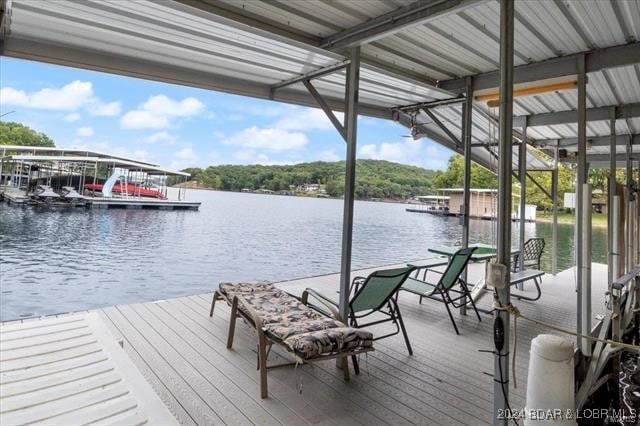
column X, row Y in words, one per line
column 60, row 261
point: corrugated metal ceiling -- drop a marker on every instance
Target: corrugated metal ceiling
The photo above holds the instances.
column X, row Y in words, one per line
column 247, row 60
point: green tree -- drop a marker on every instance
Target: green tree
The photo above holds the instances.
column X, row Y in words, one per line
column 453, row 177
column 12, row 133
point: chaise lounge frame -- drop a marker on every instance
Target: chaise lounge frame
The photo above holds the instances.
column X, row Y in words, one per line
column 251, row 317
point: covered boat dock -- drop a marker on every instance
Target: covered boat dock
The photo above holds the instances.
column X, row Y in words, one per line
column 513, row 86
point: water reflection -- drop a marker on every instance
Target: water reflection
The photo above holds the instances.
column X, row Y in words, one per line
column 58, row 261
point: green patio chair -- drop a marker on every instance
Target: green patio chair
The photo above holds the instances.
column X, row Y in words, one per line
column 444, row 290
column 373, row 294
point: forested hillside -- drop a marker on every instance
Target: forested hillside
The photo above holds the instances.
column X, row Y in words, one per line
column 374, row 178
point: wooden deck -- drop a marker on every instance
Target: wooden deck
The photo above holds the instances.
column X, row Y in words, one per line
column 71, row 370
column 182, row 353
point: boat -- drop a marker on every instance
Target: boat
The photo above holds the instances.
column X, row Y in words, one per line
column 70, row 193
column 127, row 189
column 45, row 192
column 432, row 204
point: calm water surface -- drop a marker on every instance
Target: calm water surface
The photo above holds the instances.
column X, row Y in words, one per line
column 59, row 261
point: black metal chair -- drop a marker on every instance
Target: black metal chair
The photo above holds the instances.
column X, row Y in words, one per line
column 532, row 254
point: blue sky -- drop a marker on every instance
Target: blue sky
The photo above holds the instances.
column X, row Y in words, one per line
column 179, row 127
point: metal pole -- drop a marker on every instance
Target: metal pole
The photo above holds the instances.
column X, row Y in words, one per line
column 554, row 199
column 501, row 357
column 467, row 114
column 523, row 190
column 629, row 229
column 583, row 296
column 351, row 121
column 612, row 193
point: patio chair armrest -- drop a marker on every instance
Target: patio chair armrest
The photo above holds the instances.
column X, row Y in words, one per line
column 355, row 282
column 324, row 300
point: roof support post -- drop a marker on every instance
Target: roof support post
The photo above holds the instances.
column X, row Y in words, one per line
column 554, row 199
column 467, row 115
column 503, row 294
column 628, row 213
column 610, row 196
column 583, row 251
column 351, row 122
column 522, row 166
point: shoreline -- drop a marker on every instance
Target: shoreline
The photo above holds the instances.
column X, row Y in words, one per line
column 571, row 221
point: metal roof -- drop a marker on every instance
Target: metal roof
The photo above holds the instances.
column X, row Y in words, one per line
column 411, row 52
column 62, row 155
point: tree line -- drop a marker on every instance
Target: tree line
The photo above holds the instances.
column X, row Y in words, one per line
column 374, row 178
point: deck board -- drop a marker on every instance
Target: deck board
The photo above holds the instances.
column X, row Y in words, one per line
column 81, row 374
column 182, row 353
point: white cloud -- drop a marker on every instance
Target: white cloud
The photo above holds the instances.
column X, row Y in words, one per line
column 74, row 116
column 67, row 98
column 108, row 109
column 270, row 139
column 138, row 119
column 307, row 119
column 329, row 155
column 157, row 111
column 401, row 152
column 85, row 131
column 160, row 137
column 71, row 97
column 417, row 153
column 250, row 156
column 184, row 158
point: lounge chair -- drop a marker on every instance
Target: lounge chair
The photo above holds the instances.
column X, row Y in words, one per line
column 280, row 318
column 444, row 289
column 374, row 294
column 533, row 249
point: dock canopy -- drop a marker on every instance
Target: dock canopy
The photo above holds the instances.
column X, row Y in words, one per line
column 415, row 59
column 31, row 154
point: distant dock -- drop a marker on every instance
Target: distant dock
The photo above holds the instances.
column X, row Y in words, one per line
column 13, row 196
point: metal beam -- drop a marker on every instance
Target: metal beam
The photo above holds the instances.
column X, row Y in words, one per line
column 627, row 215
column 522, row 169
column 554, row 199
column 351, row 124
column 444, row 128
column 418, row 12
column 149, row 70
column 610, row 195
column 603, row 159
column 595, row 60
column 566, row 117
column 330, row 69
column 467, row 118
column 326, row 108
column 540, row 187
column 621, row 140
column 440, row 102
column 502, row 290
column 583, row 261
column 241, row 18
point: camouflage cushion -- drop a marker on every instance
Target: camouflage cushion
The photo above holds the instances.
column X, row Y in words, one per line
column 302, row 330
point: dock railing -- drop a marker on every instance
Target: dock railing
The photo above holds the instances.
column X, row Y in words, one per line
column 623, row 304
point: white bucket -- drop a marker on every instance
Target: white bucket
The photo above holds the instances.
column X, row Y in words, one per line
column 550, row 383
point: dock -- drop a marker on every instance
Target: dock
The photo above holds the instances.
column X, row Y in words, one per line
column 182, row 353
column 14, row 196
